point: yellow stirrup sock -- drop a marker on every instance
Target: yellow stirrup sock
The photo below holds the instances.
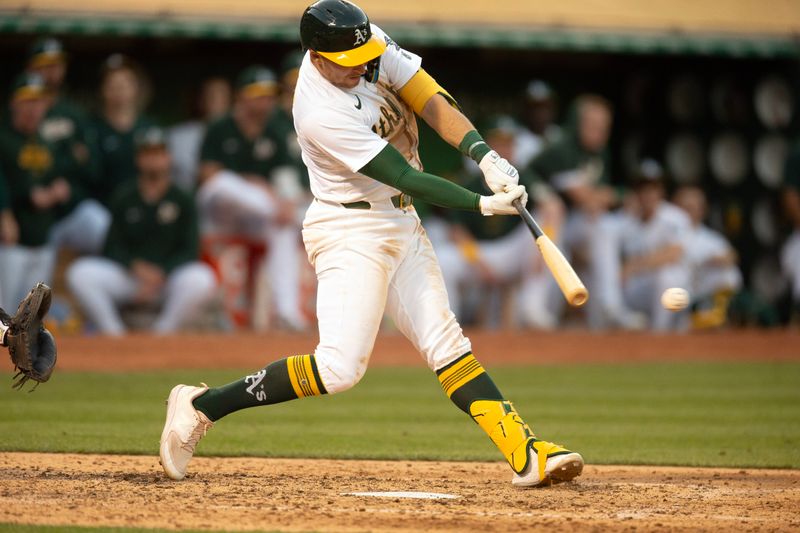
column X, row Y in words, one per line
column 468, row 385
column 506, row 428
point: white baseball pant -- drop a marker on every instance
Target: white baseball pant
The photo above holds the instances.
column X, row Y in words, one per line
column 643, row 293
column 101, row 285
column 22, row 267
column 84, row 229
column 369, row 261
column 599, row 237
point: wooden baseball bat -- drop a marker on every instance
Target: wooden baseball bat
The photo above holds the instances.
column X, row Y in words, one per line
column 568, row 281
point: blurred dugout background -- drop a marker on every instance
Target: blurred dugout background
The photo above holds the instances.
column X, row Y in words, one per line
column 708, row 88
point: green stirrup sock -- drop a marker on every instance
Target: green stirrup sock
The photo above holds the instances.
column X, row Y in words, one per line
column 281, row 381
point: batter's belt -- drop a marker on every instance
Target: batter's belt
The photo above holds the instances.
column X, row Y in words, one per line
column 401, row 201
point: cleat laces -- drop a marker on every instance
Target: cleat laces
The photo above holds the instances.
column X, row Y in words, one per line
column 198, row 433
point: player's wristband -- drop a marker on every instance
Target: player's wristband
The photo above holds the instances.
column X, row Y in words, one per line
column 473, row 146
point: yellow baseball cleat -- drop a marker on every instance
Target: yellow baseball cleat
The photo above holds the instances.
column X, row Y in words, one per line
column 548, row 463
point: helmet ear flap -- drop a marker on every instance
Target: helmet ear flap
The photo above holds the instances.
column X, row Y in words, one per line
column 373, row 70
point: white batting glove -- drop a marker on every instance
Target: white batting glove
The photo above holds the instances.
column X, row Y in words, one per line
column 498, row 172
column 500, row 203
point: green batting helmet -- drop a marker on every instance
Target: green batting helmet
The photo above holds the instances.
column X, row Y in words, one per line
column 339, row 31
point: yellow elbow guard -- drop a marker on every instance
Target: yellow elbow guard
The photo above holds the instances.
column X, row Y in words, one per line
column 420, row 88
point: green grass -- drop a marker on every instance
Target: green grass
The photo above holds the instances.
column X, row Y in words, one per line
column 710, row 414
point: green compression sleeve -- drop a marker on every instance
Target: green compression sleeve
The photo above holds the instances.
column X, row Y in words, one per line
column 391, row 168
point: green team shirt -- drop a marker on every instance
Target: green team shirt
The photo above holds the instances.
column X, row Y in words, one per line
column 115, row 153
column 225, row 144
column 27, row 162
column 565, row 163
column 164, row 233
column 66, row 127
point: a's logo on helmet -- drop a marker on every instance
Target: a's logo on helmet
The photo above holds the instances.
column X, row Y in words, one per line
column 361, row 36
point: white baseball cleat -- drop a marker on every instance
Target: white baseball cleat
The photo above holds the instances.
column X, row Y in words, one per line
column 184, row 428
column 548, row 463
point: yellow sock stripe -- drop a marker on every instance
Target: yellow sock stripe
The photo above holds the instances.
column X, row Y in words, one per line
column 290, row 366
column 460, row 373
column 309, row 372
column 301, row 376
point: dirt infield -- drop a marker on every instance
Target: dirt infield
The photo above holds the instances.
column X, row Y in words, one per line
column 250, row 350
column 304, row 495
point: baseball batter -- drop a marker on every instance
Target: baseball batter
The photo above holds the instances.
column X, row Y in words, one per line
column 354, row 111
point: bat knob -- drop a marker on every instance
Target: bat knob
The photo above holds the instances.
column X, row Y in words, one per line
column 579, row 297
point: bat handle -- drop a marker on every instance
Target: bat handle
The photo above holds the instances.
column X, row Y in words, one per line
column 527, row 217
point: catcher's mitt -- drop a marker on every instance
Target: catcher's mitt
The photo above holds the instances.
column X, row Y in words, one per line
column 32, row 347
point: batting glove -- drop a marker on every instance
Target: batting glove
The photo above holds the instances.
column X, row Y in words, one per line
column 500, row 203
column 498, row 172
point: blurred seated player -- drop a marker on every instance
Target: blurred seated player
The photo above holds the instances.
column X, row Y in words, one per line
column 790, row 194
column 66, row 128
column 151, row 253
column 654, row 241
column 115, row 127
column 65, row 121
column 713, row 261
column 41, row 194
column 577, row 167
column 249, row 187
column 485, row 252
column 539, row 128
column 185, row 139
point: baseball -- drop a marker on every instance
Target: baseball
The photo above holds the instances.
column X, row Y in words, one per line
column 675, row 299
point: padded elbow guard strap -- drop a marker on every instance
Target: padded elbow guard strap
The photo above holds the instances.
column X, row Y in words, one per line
column 507, row 430
column 420, row 88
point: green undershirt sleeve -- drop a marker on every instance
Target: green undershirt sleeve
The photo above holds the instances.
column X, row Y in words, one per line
column 391, row 168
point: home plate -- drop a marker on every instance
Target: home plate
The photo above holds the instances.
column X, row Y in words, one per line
column 417, row 495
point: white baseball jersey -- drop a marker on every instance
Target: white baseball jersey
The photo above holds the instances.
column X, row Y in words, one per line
column 341, row 130
column 668, row 225
column 703, row 244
